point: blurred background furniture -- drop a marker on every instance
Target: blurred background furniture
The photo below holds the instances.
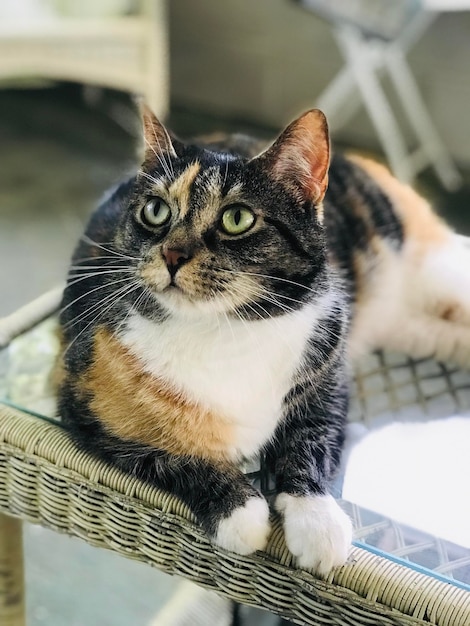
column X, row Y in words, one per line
column 265, row 62
column 374, row 37
column 121, row 44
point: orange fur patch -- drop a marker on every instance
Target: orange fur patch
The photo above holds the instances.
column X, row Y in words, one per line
column 134, row 405
column 180, row 188
column 421, row 225
column 58, row 373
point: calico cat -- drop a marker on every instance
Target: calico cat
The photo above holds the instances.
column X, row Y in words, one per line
column 210, row 308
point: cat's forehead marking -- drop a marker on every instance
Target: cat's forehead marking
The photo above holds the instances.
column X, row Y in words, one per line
column 209, row 188
column 180, row 188
column 198, row 192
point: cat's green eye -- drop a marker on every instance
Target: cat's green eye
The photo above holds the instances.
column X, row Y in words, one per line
column 237, row 220
column 156, row 212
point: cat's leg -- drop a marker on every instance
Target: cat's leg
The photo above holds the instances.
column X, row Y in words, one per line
column 231, row 511
column 317, row 531
column 306, row 454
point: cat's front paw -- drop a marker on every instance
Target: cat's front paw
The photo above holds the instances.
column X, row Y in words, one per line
column 318, row 532
column 246, row 529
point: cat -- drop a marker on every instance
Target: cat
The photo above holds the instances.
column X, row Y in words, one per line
column 211, row 309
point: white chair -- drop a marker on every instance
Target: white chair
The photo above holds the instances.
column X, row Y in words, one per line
column 94, row 43
column 374, row 37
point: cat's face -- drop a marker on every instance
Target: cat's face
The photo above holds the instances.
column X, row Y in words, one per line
column 220, row 234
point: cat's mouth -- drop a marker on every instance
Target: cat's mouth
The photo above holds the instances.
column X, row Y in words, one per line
column 173, row 288
column 179, row 301
column 189, row 300
column 173, row 284
column 190, row 295
column 176, row 293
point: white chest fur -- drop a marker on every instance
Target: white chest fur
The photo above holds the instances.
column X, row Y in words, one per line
column 241, row 370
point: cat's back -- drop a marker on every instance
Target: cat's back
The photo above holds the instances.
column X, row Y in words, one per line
column 359, row 216
column 372, row 218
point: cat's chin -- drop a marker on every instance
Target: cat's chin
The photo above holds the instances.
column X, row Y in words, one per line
column 179, row 303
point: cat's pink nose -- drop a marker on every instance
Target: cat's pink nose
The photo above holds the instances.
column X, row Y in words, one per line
column 175, row 258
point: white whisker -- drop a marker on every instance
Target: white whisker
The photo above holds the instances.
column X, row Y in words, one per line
column 89, row 311
column 145, row 292
column 284, row 280
column 112, row 258
column 87, row 239
column 84, row 295
column 226, row 173
column 129, row 289
column 152, row 179
column 79, row 277
column 99, row 266
column 166, row 164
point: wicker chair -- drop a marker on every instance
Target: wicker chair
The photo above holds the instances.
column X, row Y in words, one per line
column 46, row 480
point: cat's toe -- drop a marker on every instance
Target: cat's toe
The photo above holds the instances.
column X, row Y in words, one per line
column 246, row 529
column 318, row 532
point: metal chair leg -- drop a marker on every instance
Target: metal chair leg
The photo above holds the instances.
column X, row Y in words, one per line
column 12, row 601
column 340, row 101
column 364, row 69
column 366, row 60
column 417, row 113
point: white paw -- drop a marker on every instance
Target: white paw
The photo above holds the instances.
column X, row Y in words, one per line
column 246, row 529
column 318, row 532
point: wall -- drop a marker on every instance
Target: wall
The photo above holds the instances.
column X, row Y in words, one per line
column 267, row 60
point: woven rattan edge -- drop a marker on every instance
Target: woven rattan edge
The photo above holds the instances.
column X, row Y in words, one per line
column 46, row 480
column 29, row 315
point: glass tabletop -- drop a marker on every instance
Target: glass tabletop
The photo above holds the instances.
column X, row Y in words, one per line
column 396, row 404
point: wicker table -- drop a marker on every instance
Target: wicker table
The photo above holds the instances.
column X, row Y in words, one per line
column 46, row 480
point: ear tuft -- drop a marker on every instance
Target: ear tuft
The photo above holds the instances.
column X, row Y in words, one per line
column 157, row 139
column 300, row 157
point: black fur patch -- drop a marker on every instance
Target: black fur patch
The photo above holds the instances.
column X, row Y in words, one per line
column 356, row 210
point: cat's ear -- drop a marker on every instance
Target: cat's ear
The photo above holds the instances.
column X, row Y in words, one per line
column 158, row 141
column 300, row 156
